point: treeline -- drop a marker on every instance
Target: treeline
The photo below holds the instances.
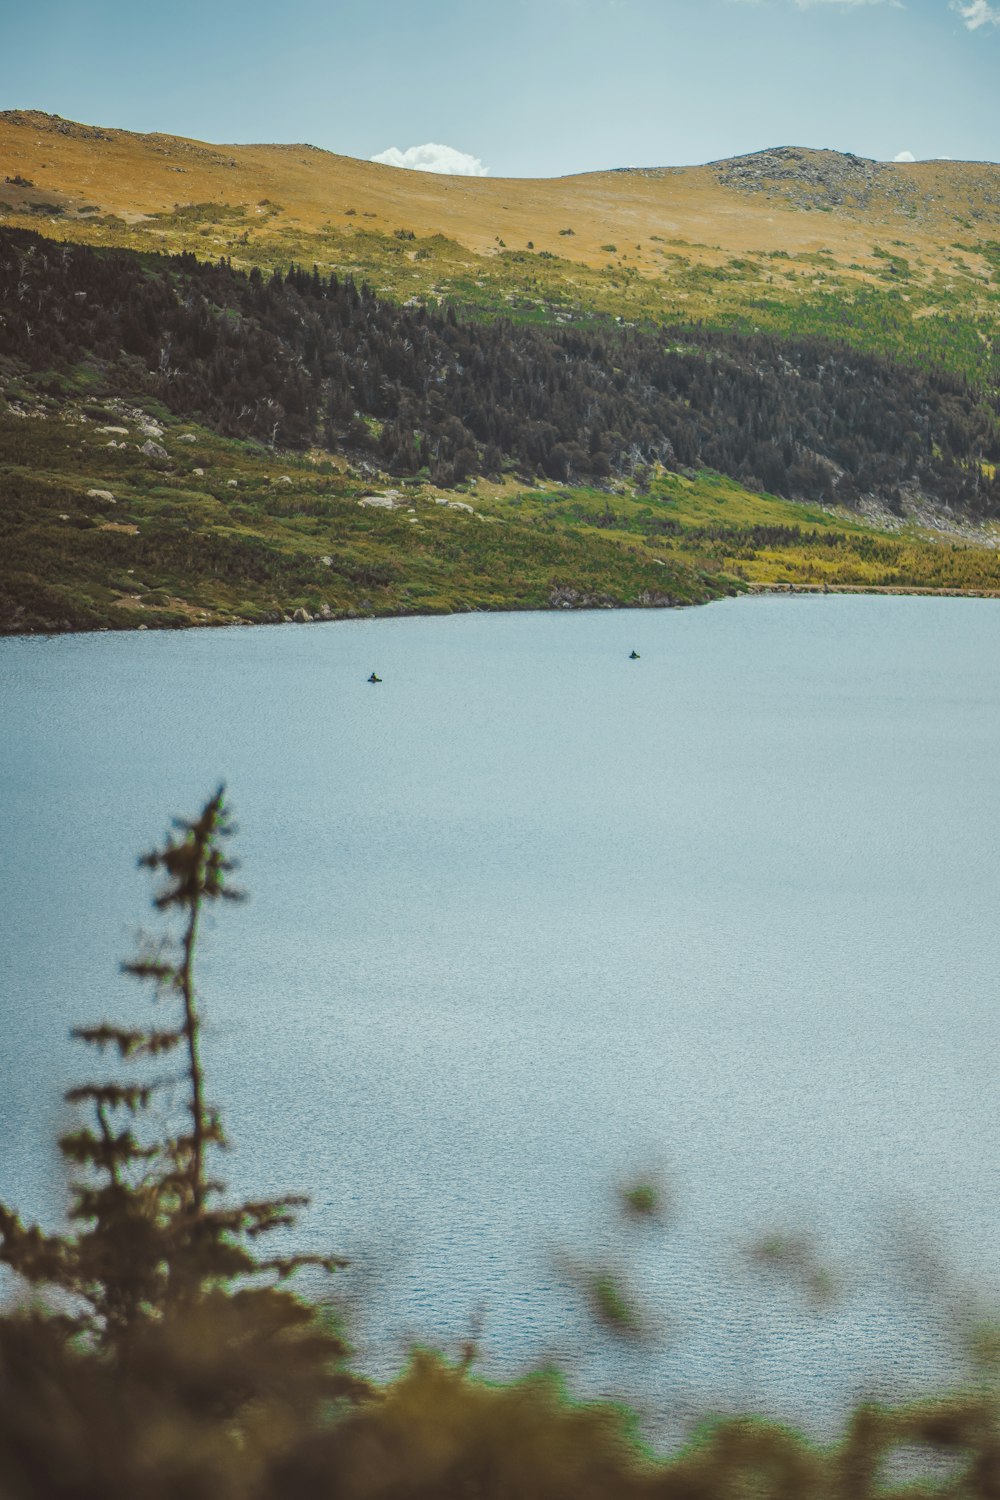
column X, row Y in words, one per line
column 300, row 359
column 773, row 537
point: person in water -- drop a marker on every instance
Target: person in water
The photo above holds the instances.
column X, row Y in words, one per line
column 373, row 678
column 634, row 656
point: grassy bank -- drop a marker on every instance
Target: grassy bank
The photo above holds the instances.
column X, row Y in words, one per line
column 97, row 534
column 220, row 532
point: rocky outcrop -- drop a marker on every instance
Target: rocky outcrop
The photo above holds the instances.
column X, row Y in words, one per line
column 37, row 120
column 387, row 500
column 817, row 179
column 562, row 597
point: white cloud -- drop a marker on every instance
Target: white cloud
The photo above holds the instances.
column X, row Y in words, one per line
column 976, row 13
column 434, row 158
column 905, row 156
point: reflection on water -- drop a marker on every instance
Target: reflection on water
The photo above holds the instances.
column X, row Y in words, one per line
column 530, row 920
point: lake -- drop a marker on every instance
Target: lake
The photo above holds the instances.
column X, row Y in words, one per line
column 530, row 922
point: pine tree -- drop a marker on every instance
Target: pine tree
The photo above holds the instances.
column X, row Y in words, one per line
column 155, row 1239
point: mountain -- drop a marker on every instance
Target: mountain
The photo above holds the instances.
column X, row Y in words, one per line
column 747, row 205
column 898, row 257
column 698, row 363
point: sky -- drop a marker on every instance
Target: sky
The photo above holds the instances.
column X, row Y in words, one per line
column 522, row 88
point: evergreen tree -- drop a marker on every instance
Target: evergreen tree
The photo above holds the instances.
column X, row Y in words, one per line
column 155, row 1239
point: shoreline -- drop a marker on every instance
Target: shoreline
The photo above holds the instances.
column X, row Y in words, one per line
column 748, row 591
column 869, row 588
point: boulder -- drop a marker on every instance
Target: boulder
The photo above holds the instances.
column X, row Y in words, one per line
column 154, row 450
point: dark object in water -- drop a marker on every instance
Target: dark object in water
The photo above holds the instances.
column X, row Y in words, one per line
column 634, row 656
column 373, row 678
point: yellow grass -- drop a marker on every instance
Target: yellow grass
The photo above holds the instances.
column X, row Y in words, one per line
column 311, row 191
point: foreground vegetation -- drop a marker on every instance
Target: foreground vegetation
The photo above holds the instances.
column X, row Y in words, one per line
column 161, row 1354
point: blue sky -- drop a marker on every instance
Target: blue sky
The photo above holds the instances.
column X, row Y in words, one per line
column 527, row 87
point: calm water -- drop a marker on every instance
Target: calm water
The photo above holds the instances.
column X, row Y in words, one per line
column 530, row 920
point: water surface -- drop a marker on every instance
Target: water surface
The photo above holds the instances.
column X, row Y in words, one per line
column 530, row 919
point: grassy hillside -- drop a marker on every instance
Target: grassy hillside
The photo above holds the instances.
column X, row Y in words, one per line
column 96, row 534
column 100, row 529
column 899, row 258
column 300, row 359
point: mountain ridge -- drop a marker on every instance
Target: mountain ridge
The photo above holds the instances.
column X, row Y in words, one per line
column 683, row 279
column 63, row 125
column 897, row 258
column 69, row 154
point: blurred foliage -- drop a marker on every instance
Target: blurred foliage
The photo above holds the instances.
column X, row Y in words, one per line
column 169, row 1363
column 72, row 1426
column 796, row 1258
column 644, row 1200
column 157, row 1247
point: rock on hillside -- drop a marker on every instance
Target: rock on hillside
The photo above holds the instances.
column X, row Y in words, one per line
column 813, row 179
column 833, row 179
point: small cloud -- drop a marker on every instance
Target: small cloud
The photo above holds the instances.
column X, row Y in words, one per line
column 976, row 13
column 905, row 156
column 434, row 158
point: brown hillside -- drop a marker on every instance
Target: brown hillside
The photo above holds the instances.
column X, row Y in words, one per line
column 796, row 200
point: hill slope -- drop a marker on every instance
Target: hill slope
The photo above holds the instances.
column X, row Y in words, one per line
column 747, row 205
column 894, row 257
column 300, row 359
column 119, row 506
column 144, row 402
